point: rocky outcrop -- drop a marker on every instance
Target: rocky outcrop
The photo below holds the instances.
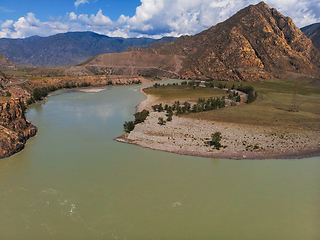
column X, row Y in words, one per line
column 14, row 128
column 4, row 79
column 256, row 43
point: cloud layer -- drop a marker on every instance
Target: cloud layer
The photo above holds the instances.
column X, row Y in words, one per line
column 156, row 18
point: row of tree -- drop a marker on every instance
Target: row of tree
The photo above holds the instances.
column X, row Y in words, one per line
column 202, row 105
column 40, row 93
column 139, row 118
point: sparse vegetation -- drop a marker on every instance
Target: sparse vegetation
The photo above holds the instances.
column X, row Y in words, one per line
column 161, row 121
column 139, row 118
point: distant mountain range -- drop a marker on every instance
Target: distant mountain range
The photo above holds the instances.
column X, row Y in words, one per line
column 255, row 44
column 68, row 49
column 313, row 32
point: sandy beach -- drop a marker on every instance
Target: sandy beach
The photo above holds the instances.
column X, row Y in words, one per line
column 240, row 141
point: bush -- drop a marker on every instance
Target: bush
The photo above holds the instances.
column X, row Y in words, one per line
column 141, row 116
column 128, row 126
column 23, row 106
column 38, row 94
column 216, row 138
column 161, row 121
column 85, row 84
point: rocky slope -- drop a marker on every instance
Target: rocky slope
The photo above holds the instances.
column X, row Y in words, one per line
column 256, row 43
column 67, row 49
column 135, row 63
column 5, row 63
column 14, row 128
column 3, row 78
column 313, row 33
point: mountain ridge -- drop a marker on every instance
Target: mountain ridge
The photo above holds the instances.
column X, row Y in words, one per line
column 313, row 32
column 256, row 43
column 67, row 49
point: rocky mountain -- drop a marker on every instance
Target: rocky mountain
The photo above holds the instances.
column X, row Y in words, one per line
column 5, row 63
column 67, row 49
column 313, row 32
column 256, row 43
column 14, row 128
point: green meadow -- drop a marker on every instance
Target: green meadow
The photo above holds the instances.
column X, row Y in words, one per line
column 276, row 99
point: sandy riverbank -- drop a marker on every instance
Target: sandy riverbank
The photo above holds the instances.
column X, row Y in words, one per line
column 189, row 136
column 92, row 90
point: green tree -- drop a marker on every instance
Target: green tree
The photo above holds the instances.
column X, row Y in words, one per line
column 128, row 126
column 141, row 116
column 216, row 138
column 161, row 121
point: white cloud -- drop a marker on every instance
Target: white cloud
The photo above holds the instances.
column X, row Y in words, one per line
column 98, row 20
column 156, row 18
column 7, row 24
column 73, row 16
column 78, row 2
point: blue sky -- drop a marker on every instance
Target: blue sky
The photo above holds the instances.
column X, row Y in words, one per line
column 134, row 18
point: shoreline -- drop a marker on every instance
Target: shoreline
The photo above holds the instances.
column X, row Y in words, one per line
column 186, row 136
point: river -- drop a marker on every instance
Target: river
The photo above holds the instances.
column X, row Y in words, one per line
column 73, row 181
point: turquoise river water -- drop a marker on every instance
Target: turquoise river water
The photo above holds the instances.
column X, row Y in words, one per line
column 73, row 181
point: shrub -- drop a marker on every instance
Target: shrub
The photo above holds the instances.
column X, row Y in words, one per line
column 161, row 121
column 141, row 116
column 128, row 126
column 216, row 138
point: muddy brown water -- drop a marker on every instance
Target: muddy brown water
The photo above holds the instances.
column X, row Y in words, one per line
column 73, row 181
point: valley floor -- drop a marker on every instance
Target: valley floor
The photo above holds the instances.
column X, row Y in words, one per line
column 188, row 136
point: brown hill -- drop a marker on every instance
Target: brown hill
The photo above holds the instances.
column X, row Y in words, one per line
column 6, row 64
column 256, row 43
column 135, row 63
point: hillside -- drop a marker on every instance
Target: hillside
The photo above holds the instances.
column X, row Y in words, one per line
column 313, row 33
column 256, row 43
column 136, row 63
column 67, row 49
column 5, row 63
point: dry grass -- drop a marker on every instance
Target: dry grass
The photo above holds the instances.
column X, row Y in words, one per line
column 270, row 109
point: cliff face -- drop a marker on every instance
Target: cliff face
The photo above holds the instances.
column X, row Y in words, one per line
column 14, row 128
column 256, row 43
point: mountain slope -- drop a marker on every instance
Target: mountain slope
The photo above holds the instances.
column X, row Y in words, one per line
column 134, row 62
column 5, row 63
column 66, row 49
column 256, row 43
column 313, row 33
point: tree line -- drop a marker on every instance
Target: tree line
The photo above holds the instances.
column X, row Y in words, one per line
column 201, row 105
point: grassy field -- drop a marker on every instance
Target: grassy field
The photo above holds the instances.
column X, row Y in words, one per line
column 275, row 98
